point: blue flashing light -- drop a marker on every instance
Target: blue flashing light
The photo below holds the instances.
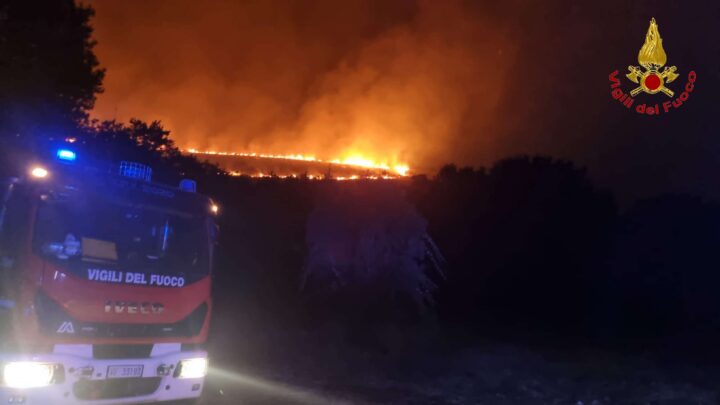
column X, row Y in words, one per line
column 135, row 170
column 66, row 154
column 188, row 185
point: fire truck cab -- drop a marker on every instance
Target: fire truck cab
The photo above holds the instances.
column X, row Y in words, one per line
column 104, row 285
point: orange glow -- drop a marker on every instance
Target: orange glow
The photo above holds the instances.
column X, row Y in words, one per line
column 259, row 155
column 401, row 169
column 394, row 170
column 382, row 84
column 261, row 175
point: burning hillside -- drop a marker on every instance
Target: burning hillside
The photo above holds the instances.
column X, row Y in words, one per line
column 392, row 81
column 297, row 165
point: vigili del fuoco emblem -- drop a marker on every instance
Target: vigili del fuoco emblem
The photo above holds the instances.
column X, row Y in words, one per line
column 651, row 77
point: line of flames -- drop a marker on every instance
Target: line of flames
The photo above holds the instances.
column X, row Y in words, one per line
column 400, row 170
column 312, row 176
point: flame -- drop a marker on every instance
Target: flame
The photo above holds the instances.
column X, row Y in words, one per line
column 399, row 169
column 249, row 154
column 261, row 175
column 652, row 55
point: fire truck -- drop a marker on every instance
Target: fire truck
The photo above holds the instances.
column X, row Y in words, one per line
column 104, row 284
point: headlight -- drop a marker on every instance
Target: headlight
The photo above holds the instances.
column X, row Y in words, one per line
column 39, row 172
column 28, row 374
column 192, row 368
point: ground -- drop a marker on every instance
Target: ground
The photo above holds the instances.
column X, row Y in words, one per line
column 273, row 365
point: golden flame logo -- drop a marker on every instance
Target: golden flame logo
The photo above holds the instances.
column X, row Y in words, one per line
column 652, row 57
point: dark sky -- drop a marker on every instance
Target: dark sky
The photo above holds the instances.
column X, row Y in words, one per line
column 419, row 81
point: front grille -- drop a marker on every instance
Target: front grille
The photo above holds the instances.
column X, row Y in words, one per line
column 191, row 347
column 122, row 351
column 52, row 317
column 115, row 388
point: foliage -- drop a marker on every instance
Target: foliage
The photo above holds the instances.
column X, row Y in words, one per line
column 529, row 242
column 145, row 143
column 522, row 239
column 365, row 241
column 49, row 75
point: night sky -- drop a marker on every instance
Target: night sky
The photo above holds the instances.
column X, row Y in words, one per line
column 420, row 82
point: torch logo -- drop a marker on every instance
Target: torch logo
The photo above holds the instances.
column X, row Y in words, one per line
column 651, row 77
column 652, row 57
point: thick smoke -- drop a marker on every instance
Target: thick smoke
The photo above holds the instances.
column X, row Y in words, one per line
column 406, row 93
column 424, row 82
column 392, row 81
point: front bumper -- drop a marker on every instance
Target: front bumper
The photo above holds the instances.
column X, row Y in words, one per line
column 79, row 386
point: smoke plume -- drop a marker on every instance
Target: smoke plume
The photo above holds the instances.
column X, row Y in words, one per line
column 422, row 82
column 390, row 81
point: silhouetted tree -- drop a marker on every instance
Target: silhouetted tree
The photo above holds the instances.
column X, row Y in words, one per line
column 49, row 75
column 522, row 240
column 147, row 143
column 368, row 248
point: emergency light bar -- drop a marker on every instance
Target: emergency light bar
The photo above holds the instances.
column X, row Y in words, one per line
column 188, row 185
column 135, row 170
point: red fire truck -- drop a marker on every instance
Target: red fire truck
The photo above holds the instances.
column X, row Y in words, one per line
column 104, row 285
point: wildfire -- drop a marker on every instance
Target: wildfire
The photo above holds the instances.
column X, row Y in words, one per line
column 259, row 155
column 311, row 176
column 400, row 169
column 392, row 171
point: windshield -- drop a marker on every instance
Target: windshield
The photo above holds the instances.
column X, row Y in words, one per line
column 81, row 234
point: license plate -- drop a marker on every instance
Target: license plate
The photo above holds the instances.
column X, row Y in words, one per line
column 124, row 371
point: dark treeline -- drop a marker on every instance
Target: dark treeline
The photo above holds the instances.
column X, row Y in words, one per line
column 533, row 252
column 525, row 240
column 527, row 249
